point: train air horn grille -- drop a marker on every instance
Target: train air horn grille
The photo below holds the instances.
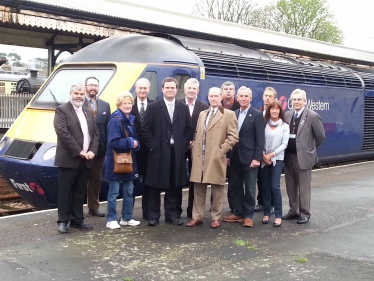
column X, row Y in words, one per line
column 22, row 149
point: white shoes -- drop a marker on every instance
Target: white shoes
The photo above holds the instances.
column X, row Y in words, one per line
column 131, row 222
column 112, row 225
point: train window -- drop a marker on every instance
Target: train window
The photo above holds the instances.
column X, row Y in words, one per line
column 181, row 79
column 153, row 91
column 58, row 88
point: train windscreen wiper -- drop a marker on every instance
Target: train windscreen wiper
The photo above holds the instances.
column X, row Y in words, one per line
column 54, row 98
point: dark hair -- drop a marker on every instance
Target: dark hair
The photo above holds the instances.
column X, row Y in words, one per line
column 91, row 77
column 272, row 105
column 169, row 79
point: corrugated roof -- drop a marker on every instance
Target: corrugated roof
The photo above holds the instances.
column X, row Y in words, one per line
column 217, row 30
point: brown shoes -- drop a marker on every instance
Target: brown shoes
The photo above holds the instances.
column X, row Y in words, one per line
column 215, row 224
column 233, row 218
column 248, row 222
column 194, row 223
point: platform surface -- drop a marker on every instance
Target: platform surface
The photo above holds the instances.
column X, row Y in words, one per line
column 337, row 243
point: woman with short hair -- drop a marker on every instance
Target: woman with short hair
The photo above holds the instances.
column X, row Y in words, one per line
column 121, row 138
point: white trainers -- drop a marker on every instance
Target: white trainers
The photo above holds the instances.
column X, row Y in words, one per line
column 131, row 222
column 112, row 225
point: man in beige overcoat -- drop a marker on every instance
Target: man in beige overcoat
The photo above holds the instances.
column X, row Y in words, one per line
column 216, row 134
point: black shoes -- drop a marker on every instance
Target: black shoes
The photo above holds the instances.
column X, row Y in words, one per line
column 289, row 217
column 277, row 224
column 153, row 222
column 302, row 220
column 96, row 213
column 175, row 221
column 62, row 227
column 81, row 225
column 258, row 208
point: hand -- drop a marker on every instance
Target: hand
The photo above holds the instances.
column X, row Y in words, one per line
column 228, row 161
column 83, row 154
column 135, row 144
column 266, row 159
column 90, row 155
column 255, row 163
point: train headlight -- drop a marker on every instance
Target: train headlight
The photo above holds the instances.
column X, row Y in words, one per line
column 49, row 153
column 2, row 144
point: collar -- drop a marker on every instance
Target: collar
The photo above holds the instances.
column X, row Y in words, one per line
column 167, row 102
column 246, row 110
column 300, row 111
column 138, row 101
column 193, row 103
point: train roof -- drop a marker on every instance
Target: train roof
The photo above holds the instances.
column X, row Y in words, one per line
column 134, row 48
column 125, row 13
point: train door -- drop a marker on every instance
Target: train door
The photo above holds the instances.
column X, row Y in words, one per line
column 182, row 74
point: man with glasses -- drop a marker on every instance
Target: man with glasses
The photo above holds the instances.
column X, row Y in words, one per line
column 101, row 112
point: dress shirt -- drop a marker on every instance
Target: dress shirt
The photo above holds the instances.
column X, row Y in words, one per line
column 241, row 117
column 173, row 109
column 139, row 103
column 84, row 127
column 191, row 106
column 299, row 112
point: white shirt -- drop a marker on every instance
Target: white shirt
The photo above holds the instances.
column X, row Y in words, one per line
column 84, row 126
column 210, row 113
column 139, row 103
column 173, row 108
column 299, row 112
column 191, row 106
column 241, row 117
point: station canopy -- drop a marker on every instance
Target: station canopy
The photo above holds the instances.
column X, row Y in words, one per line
column 74, row 24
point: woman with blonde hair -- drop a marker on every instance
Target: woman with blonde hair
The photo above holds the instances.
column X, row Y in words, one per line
column 121, row 138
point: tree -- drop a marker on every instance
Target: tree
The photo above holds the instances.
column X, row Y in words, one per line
column 238, row 11
column 15, row 58
column 306, row 18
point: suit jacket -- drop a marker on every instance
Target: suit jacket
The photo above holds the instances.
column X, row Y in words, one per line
column 235, row 105
column 141, row 154
column 221, row 136
column 157, row 131
column 199, row 106
column 70, row 136
column 102, row 119
column 251, row 137
column 310, row 135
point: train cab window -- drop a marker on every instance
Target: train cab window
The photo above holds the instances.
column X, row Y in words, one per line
column 181, row 79
column 57, row 90
column 153, row 91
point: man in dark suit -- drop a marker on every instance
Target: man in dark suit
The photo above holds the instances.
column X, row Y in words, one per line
column 229, row 102
column 269, row 96
column 245, row 159
column 166, row 132
column 191, row 89
column 142, row 87
column 77, row 143
column 101, row 112
column 306, row 135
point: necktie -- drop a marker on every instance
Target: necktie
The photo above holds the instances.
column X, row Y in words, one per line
column 296, row 115
column 142, row 111
column 170, row 109
column 210, row 118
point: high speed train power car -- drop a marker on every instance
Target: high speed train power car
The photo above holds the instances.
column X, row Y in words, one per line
column 342, row 95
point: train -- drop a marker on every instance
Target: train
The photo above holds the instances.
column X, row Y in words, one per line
column 8, row 83
column 342, row 94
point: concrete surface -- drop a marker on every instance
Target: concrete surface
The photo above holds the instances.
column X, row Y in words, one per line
column 337, row 244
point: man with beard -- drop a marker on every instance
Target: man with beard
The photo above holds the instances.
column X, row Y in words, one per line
column 101, row 112
column 77, row 143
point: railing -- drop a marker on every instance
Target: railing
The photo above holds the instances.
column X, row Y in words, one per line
column 11, row 106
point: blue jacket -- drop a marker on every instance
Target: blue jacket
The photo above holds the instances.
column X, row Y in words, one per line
column 117, row 140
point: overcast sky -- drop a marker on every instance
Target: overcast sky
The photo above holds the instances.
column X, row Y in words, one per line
column 354, row 17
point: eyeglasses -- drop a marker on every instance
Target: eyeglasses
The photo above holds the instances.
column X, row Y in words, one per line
column 93, row 85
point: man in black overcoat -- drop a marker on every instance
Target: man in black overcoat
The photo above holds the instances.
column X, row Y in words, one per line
column 166, row 132
column 195, row 106
column 142, row 87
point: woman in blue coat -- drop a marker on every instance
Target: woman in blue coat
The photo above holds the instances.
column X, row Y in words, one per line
column 121, row 138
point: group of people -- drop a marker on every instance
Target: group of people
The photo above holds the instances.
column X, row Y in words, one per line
column 225, row 139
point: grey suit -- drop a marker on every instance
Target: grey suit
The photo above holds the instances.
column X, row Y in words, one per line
column 309, row 136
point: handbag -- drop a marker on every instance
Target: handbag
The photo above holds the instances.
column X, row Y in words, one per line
column 122, row 161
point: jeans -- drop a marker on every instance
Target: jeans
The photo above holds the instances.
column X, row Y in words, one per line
column 127, row 203
column 271, row 185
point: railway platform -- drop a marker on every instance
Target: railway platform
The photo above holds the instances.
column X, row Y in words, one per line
column 337, row 243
